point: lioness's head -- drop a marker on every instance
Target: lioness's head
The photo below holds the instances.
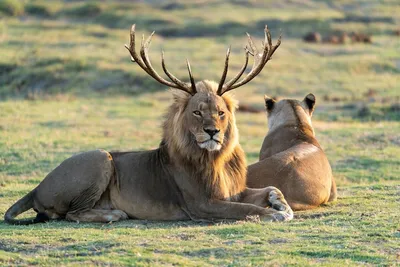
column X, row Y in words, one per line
column 289, row 111
column 203, row 121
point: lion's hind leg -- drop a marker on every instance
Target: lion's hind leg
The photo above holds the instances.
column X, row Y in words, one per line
column 77, row 186
column 93, row 205
column 97, row 215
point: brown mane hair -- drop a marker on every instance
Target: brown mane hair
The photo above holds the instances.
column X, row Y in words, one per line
column 223, row 172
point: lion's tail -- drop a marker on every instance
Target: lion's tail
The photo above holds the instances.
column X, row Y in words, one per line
column 21, row 206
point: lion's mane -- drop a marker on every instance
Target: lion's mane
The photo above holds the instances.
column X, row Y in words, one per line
column 223, row 172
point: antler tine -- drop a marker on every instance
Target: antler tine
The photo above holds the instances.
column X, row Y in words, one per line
column 144, row 62
column 224, row 73
column 192, row 83
column 253, row 47
column 171, row 76
column 132, row 51
column 144, row 53
column 259, row 60
column 248, row 51
column 274, row 47
column 241, row 71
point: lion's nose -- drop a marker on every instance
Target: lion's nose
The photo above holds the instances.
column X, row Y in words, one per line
column 211, row 132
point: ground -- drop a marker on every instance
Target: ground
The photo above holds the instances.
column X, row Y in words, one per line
column 67, row 85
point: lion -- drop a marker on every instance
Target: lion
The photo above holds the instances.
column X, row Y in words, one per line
column 198, row 172
column 291, row 158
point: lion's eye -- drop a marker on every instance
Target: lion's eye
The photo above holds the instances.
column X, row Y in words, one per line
column 197, row 113
column 221, row 113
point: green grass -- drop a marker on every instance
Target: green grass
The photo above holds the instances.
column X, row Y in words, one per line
column 67, row 85
column 11, row 7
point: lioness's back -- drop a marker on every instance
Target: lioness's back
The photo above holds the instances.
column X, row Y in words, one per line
column 291, row 157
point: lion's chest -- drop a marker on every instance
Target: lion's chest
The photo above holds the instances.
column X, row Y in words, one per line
column 226, row 185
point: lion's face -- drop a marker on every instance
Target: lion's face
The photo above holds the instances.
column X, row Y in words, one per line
column 207, row 119
column 204, row 122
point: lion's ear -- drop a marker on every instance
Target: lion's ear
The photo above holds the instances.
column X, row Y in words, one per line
column 180, row 97
column 231, row 103
column 269, row 102
column 309, row 102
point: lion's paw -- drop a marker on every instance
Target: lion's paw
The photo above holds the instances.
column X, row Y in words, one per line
column 277, row 216
column 278, row 202
column 282, row 216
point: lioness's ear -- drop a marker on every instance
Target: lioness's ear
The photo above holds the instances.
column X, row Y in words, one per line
column 309, row 100
column 269, row 102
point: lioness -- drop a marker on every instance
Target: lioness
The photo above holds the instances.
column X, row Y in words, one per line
column 291, row 158
column 198, row 172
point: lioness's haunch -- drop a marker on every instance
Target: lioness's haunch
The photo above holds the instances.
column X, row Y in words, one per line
column 198, row 172
column 291, row 158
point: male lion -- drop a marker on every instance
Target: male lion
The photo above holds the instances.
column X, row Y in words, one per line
column 291, row 158
column 198, row 172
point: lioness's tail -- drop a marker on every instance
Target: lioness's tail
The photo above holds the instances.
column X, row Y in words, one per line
column 21, row 206
column 333, row 195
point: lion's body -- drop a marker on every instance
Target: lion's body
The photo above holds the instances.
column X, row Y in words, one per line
column 291, row 158
column 192, row 175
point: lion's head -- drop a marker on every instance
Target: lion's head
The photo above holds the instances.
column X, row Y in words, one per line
column 204, row 122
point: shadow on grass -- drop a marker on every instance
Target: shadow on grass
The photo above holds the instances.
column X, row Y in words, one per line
column 74, row 250
column 365, row 19
column 20, row 247
column 293, row 28
column 385, row 109
column 339, row 254
column 87, row 248
column 127, row 224
column 55, row 75
column 112, row 20
column 93, row 14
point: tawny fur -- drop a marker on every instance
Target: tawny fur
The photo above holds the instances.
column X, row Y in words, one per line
column 192, row 175
column 291, row 158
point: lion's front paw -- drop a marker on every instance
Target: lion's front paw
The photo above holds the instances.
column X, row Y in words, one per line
column 282, row 216
column 278, row 202
column 277, row 216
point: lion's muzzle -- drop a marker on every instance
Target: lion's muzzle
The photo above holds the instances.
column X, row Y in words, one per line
column 210, row 140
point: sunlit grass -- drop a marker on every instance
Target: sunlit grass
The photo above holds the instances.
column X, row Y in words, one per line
column 67, row 85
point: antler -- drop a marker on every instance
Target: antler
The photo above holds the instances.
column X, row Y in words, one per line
column 259, row 62
column 144, row 62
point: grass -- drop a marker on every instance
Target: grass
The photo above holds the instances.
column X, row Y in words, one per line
column 67, row 85
column 11, row 7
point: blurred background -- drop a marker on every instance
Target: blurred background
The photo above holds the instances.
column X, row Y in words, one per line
column 67, row 83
